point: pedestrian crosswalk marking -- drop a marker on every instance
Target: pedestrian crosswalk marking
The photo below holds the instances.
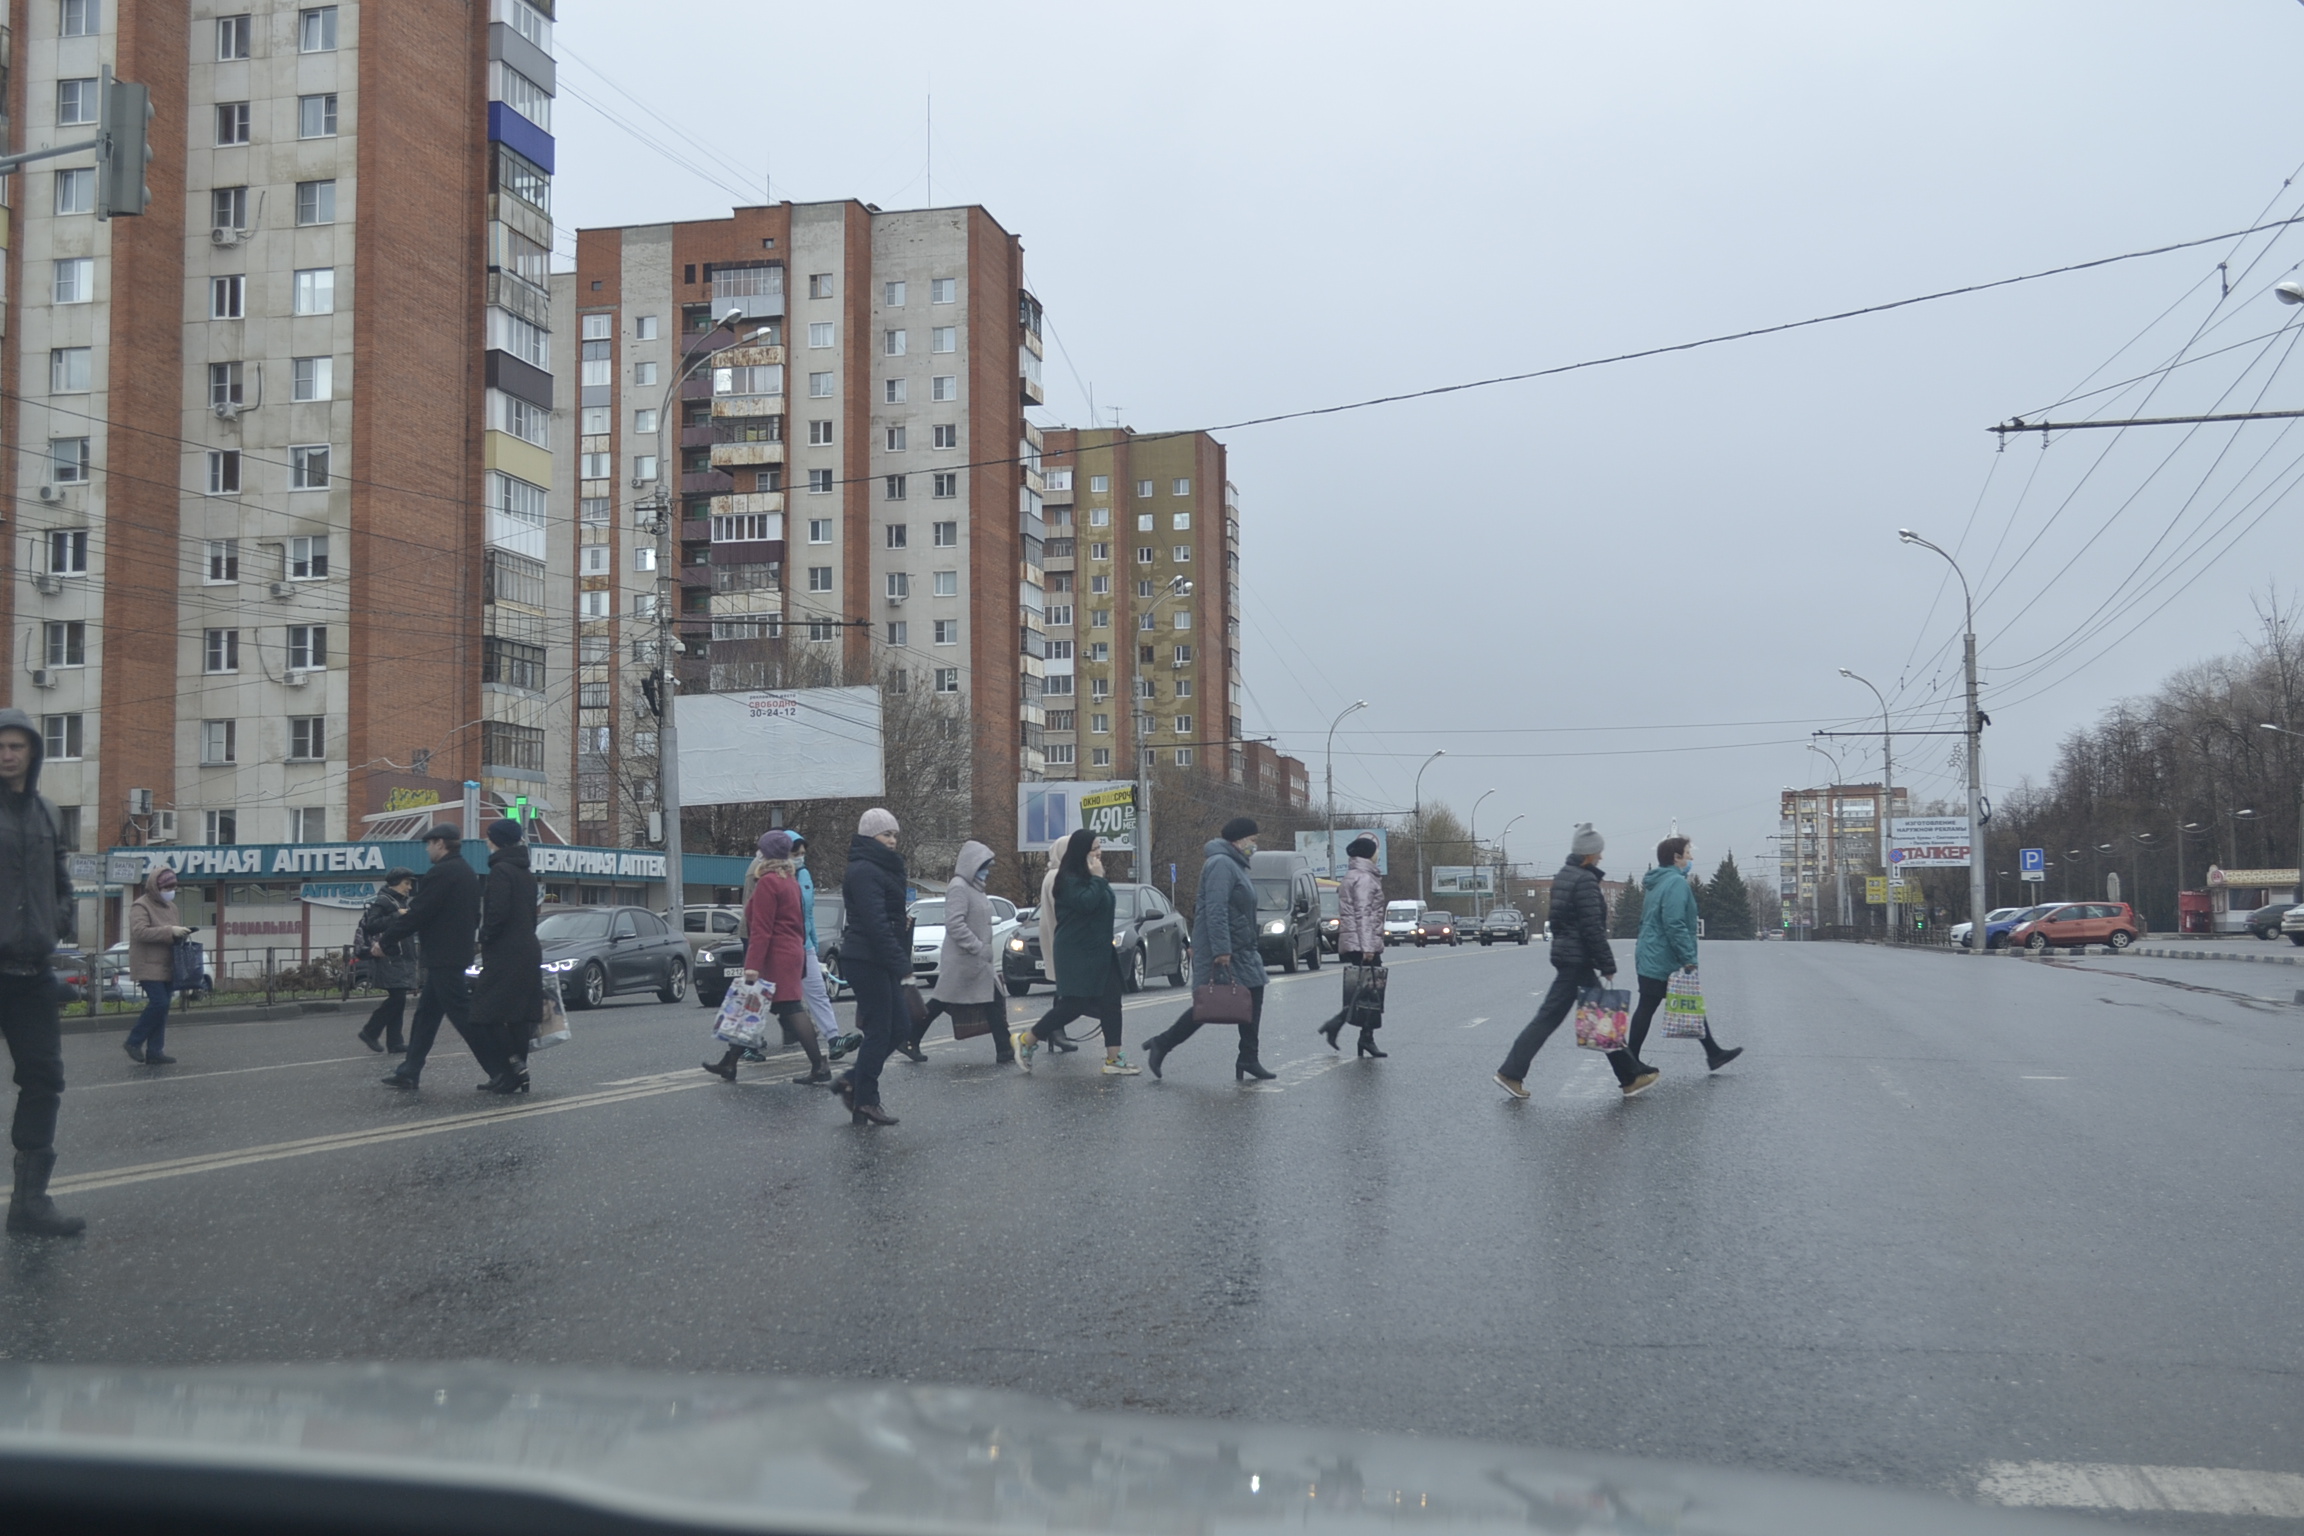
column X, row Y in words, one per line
column 2170, row 1490
column 1475, row 1024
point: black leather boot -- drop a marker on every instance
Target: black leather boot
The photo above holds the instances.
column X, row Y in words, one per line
column 30, row 1210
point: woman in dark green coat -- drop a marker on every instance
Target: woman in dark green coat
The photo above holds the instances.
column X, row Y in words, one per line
column 1087, row 967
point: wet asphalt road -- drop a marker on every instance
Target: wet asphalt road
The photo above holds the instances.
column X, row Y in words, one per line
column 1944, row 1212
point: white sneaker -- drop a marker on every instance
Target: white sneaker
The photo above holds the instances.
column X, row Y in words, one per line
column 1025, row 1043
column 1121, row 1066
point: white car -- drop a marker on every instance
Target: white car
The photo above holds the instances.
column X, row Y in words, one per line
column 1400, row 920
column 928, row 934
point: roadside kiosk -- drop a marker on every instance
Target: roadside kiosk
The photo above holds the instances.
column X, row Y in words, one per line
column 2235, row 895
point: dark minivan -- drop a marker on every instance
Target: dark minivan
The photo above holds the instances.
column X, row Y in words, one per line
column 1287, row 909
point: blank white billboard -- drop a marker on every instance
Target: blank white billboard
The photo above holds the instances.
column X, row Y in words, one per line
column 779, row 744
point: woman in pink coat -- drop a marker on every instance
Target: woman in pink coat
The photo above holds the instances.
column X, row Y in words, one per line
column 775, row 948
column 1359, row 928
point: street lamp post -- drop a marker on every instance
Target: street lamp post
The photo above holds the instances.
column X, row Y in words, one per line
column 1472, row 835
column 1329, row 858
column 1832, row 835
column 1419, row 801
column 1975, row 735
column 2074, row 854
column 1887, row 800
column 1503, row 856
column 667, row 640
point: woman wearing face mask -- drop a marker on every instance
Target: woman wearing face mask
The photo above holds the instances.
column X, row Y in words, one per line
column 1088, row 971
column 1224, row 947
column 1667, row 940
column 153, row 929
column 967, row 972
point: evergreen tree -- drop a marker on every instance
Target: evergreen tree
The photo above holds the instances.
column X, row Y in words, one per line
column 1625, row 923
column 1727, row 906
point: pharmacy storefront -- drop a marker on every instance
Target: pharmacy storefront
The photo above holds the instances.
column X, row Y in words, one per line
column 260, row 906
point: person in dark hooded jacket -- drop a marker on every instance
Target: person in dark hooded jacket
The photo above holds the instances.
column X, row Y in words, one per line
column 36, row 913
column 1581, row 955
column 510, row 997
column 877, row 957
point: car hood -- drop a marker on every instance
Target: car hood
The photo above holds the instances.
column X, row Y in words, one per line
column 930, row 936
column 846, row 1459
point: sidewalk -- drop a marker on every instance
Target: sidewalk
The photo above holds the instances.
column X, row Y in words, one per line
column 2255, row 951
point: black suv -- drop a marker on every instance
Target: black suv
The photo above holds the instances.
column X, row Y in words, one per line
column 1504, row 924
column 1152, row 937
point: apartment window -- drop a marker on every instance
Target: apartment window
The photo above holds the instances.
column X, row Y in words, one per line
column 819, row 285
column 1061, row 684
column 1181, row 521
column 947, row 679
column 819, row 530
column 945, row 487
column 820, row 482
column 823, row 630
column 312, row 378
column 944, row 535
column 892, row 343
column 1180, row 553
column 307, row 824
column 644, row 423
column 75, row 103
column 1099, row 618
column 599, row 364
column 512, row 664
column 947, row 631
column 526, row 180
column 892, row 295
column 227, row 298
column 899, row 632
column 512, row 746
column 594, row 509
column 943, row 290
column 899, row 534
column 945, row 435
column 223, row 471
column 77, row 18
column 1099, row 517
column 594, row 560
column 527, row 98
column 1060, row 754
column 899, row 585
column 894, row 391
column 644, row 558
column 742, row 527
column 644, row 374
column 820, row 386
column 223, row 562
column 1184, row 658
column 644, row 328
column 221, row 828
column 1060, row 617
column 75, row 280
column 820, row 333
column 232, row 120
column 1146, row 621
column 644, row 465
column 316, row 291
column 308, row 739
column 316, row 202
column 1144, row 588
column 819, row 578
column 225, row 384
column 307, row 647
column 1143, row 554
column 308, row 558
column 235, row 36
column 529, row 423
column 1099, row 551
column 819, row 434
column 1183, row 725
column 1099, row 586
column 1062, row 720
column 944, row 338
column 308, row 467
column 1181, row 486
column 1143, row 488
column 592, row 605
column 68, row 460
column 62, row 736
column 1099, row 484
column 1099, row 757
column 219, row 743
column 947, row 583
column 1144, row 522
column 316, row 30
column 68, row 370
column 1183, row 618
column 894, row 488
column 895, row 439
column 228, row 208
column 67, row 551
column 222, row 650
column 75, row 192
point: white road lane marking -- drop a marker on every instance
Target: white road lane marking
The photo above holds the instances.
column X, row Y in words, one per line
column 2037, row 1077
column 185, row 1077
column 2173, row 1490
column 1475, row 1024
column 143, row 1173
column 1589, row 1081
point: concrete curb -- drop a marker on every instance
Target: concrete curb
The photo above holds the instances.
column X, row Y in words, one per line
column 2158, row 953
column 186, row 1018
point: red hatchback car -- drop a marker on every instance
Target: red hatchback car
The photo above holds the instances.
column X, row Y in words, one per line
column 2077, row 924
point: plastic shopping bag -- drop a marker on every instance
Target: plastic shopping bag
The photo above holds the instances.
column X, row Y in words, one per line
column 1603, row 1018
column 1684, row 1007
column 552, row 1023
column 743, row 1016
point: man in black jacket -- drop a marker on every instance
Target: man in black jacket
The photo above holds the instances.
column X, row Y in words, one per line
column 1581, row 955
column 35, row 912
column 444, row 917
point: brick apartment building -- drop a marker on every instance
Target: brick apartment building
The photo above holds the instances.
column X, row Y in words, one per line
column 857, row 494
column 253, row 595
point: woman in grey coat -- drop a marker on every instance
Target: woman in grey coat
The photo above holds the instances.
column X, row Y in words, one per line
column 1224, row 947
column 968, row 971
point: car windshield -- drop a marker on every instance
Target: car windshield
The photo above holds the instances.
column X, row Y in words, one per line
column 1328, row 906
column 1400, row 912
column 929, row 914
column 568, row 927
column 1272, row 895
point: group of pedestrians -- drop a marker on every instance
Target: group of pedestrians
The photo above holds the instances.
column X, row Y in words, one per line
column 449, row 916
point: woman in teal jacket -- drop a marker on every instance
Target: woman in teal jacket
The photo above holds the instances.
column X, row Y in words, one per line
column 1667, row 943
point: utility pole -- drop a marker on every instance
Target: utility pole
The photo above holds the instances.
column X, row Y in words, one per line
column 1329, row 858
column 1419, row 800
column 1975, row 727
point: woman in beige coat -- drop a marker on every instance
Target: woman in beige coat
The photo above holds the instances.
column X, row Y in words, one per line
column 153, row 929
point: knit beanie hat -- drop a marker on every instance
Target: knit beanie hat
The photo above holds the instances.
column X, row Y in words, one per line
column 1237, row 828
column 1586, row 842
column 504, row 833
column 874, row 822
column 1361, row 848
column 776, row 845
column 164, row 879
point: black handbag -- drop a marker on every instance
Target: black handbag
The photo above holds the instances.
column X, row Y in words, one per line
column 1364, row 995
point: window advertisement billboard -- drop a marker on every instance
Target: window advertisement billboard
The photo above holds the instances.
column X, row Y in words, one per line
column 1329, row 861
column 1928, row 842
column 779, row 744
column 1463, row 879
column 1046, row 812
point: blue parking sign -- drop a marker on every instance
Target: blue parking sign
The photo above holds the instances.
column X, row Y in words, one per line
column 2032, row 860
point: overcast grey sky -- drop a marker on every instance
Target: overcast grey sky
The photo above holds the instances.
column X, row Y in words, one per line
column 1232, row 210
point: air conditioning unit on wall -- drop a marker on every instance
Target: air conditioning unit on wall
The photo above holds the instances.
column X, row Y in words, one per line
column 43, row 678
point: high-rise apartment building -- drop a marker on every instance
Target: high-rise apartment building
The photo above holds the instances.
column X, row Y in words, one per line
column 834, row 400
column 1137, row 663
column 256, row 598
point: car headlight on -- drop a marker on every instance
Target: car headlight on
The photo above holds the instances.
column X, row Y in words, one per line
column 1016, row 946
column 1276, row 926
column 1119, row 938
column 554, row 967
column 473, row 969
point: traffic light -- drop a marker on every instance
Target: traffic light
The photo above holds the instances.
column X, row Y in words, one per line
column 124, row 123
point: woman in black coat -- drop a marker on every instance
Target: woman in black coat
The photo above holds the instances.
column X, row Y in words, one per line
column 509, row 997
column 876, row 957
